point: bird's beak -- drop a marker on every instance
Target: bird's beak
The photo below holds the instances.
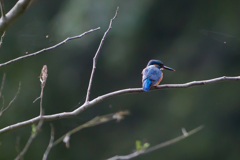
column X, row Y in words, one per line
column 168, row 68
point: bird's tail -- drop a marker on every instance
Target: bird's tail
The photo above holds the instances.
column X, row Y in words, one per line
column 146, row 84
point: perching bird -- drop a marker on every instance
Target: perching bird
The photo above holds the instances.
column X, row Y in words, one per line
column 152, row 74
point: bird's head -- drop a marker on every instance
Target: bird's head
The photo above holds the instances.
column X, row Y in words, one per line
column 159, row 65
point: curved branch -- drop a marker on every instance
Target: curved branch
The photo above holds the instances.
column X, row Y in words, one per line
column 49, row 48
column 17, row 10
column 108, row 95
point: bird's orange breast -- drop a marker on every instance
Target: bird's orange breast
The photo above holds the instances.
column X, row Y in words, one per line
column 160, row 79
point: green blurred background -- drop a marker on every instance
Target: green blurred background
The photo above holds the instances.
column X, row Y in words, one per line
column 186, row 35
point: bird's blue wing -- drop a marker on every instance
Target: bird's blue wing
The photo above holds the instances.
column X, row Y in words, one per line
column 152, row 73
column 146, row 84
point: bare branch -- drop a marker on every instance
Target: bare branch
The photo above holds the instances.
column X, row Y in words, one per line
column 7, row 20
column 161, row 145
column 19, row 87
column 50, row 145
column 36, row 99
column 33, row 135
column 17, row 144
column 2, row 8
column 109, row 95
column 95, row 121
column 3, row 81
column 10, row 103
column 1, row 96
column 43, row 80
column 1, row 112
column 49, row 48
column 96, row 56
column 1, row 41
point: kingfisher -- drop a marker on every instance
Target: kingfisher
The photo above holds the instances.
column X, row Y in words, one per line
column 152, row 74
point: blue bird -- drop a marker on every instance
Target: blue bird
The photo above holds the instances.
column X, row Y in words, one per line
column 152, row 74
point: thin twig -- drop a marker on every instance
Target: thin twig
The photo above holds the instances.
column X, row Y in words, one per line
column 41, row 97
column 17, row 144
column 14, row 98
column 109, row 95
column 1, row 41
column 50, row 145
column 36, row 99
column 33, row 135
column 2, row 9
column 3, row 81
column 96, row 56
column 10, row 103
column 49, row 48
column 95, row 121
column 1, row 96
column 161, row 145
column 1, row 112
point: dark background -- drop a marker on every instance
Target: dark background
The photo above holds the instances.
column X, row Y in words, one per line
column 186, row 35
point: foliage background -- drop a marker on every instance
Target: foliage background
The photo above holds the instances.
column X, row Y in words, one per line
column 186, row 35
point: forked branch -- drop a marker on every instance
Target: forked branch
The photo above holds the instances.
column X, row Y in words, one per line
column 17, row 10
